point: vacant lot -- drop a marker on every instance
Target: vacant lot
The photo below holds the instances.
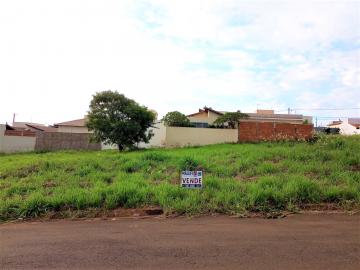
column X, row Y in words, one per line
column 239, row 178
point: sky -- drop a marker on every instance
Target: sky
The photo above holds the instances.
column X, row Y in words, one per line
column 179, row 55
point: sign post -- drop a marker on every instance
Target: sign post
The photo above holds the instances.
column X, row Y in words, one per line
column 191, row 179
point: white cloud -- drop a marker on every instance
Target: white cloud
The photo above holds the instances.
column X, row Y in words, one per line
column 173, row 55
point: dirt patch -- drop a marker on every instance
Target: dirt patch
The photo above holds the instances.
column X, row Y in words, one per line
column 95, row 213
column 275, row 160
column 324, row 207
column 24, row 172
column 139, row 212
column 312, row 175
column 84, row 184
column 49, row 184
column 244, row 178
column 355, row 168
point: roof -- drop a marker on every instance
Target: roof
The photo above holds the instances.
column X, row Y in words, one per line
column 206, row 110
column 261, row 111
column 72, row 123
column 260, row 115
column 43, row 128
column 335, row 123
column 24, row 124
column 354, row 122
column 275, row 116
column 8, row 127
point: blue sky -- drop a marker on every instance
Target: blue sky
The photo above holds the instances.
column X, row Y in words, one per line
column 179, row 55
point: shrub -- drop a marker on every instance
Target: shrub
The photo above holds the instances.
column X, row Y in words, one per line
column 188, row 164
column 176, row 119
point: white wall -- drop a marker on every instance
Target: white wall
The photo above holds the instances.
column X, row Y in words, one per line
column 158, row 140
column 347, row 129
column 183, row 136
column 11, row 144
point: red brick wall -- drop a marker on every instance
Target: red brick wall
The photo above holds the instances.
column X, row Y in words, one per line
column 265, row 131
column 269, row 131
column 285, row 131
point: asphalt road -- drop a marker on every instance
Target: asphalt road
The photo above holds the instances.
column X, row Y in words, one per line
column 296, row 242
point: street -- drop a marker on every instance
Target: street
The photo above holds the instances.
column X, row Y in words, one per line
column 303, row 241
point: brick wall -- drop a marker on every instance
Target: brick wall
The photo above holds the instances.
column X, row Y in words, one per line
column 269, row 131
column 62, row 141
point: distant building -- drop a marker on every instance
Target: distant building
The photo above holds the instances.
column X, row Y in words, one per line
column 32, row 127
column 349, row 126
column 73, row 126
column 206, row 116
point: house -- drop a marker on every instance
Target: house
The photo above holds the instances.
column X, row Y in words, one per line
column 354, row 122
column 348, row 126
column 73, row 126
column 206, row 116
column 32, row 127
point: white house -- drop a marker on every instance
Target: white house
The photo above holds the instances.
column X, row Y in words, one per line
column 350, row 126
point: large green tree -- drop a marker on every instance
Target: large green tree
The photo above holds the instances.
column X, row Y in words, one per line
column 230, row 118
column 176, row 119
column 115, row 119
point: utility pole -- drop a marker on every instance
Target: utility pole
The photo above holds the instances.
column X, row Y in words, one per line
column 289, row 110
column 315, row 121
column 14, row 118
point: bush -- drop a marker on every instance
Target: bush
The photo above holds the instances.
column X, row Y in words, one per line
column 176, row 119
column 188, row 164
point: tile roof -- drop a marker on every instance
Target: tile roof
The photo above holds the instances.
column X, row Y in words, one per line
column 73, row 123
column 24, row 124
column 43, row 128
column 274, row 116
column 205, row 109
column 354, row 122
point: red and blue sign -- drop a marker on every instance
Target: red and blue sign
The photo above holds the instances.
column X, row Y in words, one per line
column 191, row 179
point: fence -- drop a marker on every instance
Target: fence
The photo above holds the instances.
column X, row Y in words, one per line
column 270, row 131
column 51, row 141
column 16, row 141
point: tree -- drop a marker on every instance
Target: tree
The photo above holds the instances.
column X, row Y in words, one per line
column 118, row 120
column 230, row 118
column 176, row 119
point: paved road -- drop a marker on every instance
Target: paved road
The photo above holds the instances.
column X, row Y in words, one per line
column 296, row 242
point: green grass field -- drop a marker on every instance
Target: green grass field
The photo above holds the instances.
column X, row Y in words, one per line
column 238, row 179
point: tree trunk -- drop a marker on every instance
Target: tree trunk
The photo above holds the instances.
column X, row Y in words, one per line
column 120, row 147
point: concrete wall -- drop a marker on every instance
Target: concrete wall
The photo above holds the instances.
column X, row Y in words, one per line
column 70, row 129
column 17, row 142
column 158, row 140
column 182, row 136
column 267, row 131
column 51, row 141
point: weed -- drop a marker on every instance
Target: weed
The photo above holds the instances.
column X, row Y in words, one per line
column 284, row 176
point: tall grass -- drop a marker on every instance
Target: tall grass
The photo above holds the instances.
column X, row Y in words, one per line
column 238, row 178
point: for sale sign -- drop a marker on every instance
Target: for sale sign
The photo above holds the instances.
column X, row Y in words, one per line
column 191, row 179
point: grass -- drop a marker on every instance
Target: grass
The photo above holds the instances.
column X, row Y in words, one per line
column 238, row 178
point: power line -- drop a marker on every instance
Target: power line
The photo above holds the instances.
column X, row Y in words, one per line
column 317, row 109
column 325, row 109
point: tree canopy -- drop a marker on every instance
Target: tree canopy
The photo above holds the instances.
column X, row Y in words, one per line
column 176, row 119
column 230, row 118
column 115, row 119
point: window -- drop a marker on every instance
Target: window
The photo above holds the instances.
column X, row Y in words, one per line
column 200, row 124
